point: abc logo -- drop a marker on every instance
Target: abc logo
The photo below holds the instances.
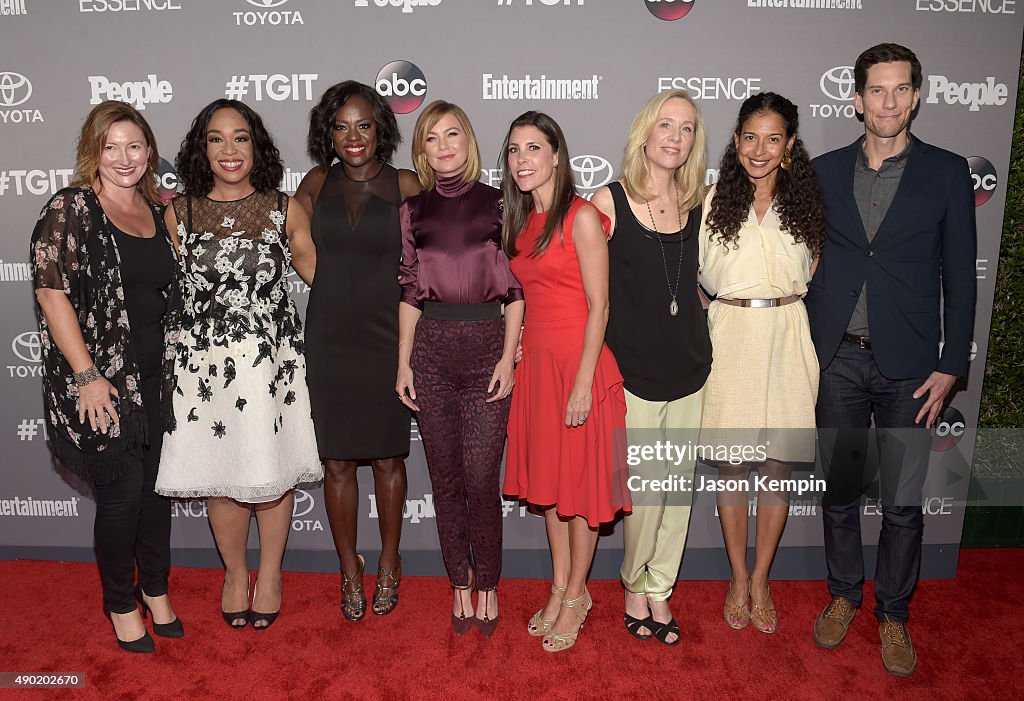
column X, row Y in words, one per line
column 403, row 85
column 669, row 10
column 166, row 181
column 985, row 179
column 947, row 430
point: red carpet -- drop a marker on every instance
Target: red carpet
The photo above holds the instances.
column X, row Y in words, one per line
column 968, row 633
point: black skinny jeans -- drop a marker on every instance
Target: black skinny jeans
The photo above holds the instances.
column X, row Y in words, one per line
column 133, row 523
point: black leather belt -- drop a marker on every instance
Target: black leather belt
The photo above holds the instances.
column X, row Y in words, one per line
column 859, row 341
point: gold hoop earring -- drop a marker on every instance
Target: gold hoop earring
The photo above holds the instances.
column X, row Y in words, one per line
column 787, row 161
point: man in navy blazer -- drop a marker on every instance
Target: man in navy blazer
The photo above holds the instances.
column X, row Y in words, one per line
column 897, row 273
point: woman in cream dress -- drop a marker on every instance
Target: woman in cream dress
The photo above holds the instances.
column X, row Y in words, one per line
column 762, row 232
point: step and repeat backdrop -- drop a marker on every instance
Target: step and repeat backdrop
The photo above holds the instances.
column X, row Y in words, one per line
column 589, row 63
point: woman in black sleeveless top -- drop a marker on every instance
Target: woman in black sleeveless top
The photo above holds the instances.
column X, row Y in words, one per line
column 659, row 335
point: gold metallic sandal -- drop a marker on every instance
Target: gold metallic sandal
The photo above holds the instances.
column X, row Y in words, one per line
column 538, row 626
column 581, row 605
column 763, row 616
column 385, row 594
column 353, row 597
column 737, row 616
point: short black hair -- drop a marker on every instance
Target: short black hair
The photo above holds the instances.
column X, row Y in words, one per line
column 885, row 53
column 193, row 166
column 319, row 145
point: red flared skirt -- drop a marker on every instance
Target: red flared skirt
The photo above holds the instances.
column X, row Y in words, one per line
column 581, row 471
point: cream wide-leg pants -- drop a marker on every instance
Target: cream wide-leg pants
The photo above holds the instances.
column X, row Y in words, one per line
column 654, row 534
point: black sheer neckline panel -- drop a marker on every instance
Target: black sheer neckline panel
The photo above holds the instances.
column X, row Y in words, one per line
column 357, row 194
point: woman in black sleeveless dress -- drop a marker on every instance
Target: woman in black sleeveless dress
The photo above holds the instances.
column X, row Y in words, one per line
column 352, row 325
column 659, row 336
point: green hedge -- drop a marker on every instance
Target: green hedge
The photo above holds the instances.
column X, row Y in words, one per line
column 995, row 515
column 1002, row 399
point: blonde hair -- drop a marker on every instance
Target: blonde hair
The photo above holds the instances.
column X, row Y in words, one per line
column 93, row 138
column 428, row 119
column 689, row 177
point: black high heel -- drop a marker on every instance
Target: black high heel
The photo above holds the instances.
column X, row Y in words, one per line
column 233, row 618
column 144, row 644
column 267, row 619
column 174, row 629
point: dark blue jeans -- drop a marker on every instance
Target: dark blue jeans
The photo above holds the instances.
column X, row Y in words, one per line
column 852, row 392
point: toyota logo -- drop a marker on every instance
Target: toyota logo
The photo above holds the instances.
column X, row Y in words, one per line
column 591, row 172
column 15, row 89
column 27, row 347
column 266, row 4
column 303, row 503
column 837, row 83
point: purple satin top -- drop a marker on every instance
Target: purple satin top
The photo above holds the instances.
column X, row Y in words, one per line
column 451, row 246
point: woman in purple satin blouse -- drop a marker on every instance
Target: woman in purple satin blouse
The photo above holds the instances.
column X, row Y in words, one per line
column 453, row 341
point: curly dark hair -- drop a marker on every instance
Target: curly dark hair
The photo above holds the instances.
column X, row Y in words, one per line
column 194, row 167
column 797, row 195
column 319, row 145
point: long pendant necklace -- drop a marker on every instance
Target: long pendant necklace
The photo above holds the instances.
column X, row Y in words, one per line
column 673, row 307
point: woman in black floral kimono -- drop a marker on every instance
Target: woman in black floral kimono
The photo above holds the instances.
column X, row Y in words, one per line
column 244, row 435
column 104, row 275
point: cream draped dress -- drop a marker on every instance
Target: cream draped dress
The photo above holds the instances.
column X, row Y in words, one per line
column 764, row 376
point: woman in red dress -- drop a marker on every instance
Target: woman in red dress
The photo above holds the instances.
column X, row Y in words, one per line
column 566, row 451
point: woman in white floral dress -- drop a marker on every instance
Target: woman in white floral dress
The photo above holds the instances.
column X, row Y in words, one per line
column 244, row 435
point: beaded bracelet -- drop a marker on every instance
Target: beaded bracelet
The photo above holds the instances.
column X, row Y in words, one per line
column 87, row 376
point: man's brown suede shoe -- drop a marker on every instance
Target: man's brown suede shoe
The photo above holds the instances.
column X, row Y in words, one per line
column 898, row 653
column 831, row 626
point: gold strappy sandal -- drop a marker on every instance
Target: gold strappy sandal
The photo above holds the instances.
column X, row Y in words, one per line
column 353, row 597
column 385, row 594
column 763, row 616
column 581, row 605
column 737, row 616
column 539, row 626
